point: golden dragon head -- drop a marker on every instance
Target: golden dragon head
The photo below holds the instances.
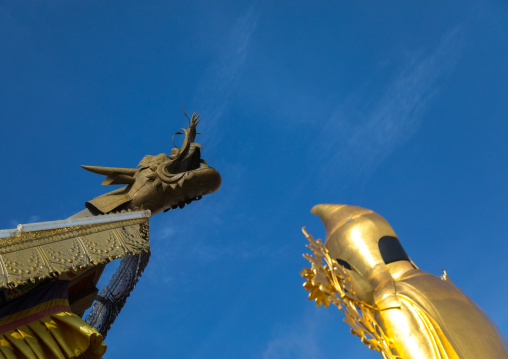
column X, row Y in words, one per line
column 160, row 182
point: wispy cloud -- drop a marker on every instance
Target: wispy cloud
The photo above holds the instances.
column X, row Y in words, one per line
column 34, row 218
column 362, row 133
column 294, row 344
column 295, row 340
column 314, row 333
column 211, row 100
column 214, row 90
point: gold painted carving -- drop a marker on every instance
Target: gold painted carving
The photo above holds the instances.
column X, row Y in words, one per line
column 328, row 282
column 160, row 182
column 44, row 254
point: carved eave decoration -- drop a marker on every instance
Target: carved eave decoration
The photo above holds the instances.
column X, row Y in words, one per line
column 45, row 250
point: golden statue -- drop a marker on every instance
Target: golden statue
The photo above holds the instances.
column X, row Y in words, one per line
column 392, row 305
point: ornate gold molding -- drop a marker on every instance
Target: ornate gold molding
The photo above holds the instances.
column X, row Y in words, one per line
column 47, row 253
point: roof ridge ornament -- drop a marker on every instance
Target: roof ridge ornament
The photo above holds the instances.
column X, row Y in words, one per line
column 160, row 182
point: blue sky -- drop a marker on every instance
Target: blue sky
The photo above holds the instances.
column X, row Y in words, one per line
column 397, row 107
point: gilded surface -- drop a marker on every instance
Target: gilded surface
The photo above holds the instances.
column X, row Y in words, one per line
column 160, row 182
column 44, row 254
column 393, row 306
column 328, row 282
column 79, row 253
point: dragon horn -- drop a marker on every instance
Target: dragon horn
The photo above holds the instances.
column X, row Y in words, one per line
column 108, row 170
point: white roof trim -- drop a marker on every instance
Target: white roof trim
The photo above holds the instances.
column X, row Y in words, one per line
column 43, row 226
